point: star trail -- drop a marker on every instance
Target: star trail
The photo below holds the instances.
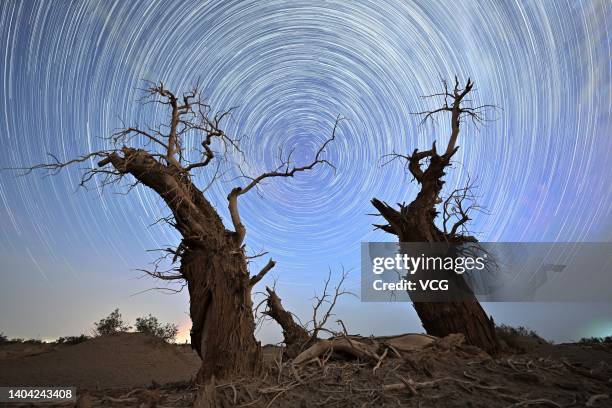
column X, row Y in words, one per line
column 71, row 73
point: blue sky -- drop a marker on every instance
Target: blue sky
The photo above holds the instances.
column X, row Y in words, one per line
column 70, row 71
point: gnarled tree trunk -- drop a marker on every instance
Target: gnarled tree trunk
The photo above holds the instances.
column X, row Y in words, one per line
column 223, row 326
column 416, row 223
column 214, row 266
column 466, row 317
column 212, row 257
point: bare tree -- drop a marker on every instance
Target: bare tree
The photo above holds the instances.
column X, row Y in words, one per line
column 325, row 303
column 415, row 222
column 297, row 336
column 211, row 256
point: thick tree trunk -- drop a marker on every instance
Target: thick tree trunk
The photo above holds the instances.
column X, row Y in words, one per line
column 443, row 318
column 416, row 223
column 466, row 317
column 212, row 258
column 221, row 312
column 214, row 266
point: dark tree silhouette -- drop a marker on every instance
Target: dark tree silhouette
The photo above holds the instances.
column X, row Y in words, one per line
column 415, row 222
column 295, row 336
column 211, row 256
column 302, row 341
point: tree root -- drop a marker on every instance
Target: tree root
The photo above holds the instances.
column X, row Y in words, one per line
column 591, row 402
column 539, row 401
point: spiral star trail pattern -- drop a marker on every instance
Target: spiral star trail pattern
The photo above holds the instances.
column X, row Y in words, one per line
column 71, row 71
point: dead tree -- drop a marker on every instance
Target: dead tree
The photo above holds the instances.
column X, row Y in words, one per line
column 211, row 256
column 297, row 336
column 415, row 222
column 294, row 335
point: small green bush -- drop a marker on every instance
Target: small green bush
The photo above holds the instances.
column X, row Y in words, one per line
column 5, row 340
column 519, row 339
column 150, row 325
column 112, row 324
column 72, row 339
column 596, row 340
column 522, row 331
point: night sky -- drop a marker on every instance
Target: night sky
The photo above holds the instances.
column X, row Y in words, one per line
column 70, row 73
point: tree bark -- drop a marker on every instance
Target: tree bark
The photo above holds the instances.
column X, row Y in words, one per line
column 212, row 257
column 223, row 325
column 214, row 267
column 295, row 336
column 466, row 317
column 416, row 223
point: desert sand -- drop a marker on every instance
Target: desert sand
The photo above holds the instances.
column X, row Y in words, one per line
column 134, row 370
column 119, row 361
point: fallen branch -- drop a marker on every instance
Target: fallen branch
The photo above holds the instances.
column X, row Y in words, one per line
column 591, row 402
column 120, row 400
column 584, row 372
column 380, row 360
column 539, row 401
column 352, row 347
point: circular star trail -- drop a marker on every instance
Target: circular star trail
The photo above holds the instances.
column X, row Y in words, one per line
column 71, row 71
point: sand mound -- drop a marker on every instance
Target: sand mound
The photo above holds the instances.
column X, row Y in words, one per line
column 119, row 361
column 20, row 350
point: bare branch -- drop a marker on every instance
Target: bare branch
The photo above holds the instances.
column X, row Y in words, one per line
column 453, row 100
column 255, row 279
column 189, row 115
column 56, row 165
column 329, row 299
column 211, row 128
column 283, row 170
column 257, row 255
column 393, row 217
column 163, row 275
column 457, row 206
column 122, row 136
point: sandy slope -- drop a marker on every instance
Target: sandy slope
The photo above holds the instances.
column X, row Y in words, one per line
column 123, row 360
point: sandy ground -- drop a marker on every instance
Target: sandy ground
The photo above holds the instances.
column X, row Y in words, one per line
column 120, row 361
column 133, row 370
